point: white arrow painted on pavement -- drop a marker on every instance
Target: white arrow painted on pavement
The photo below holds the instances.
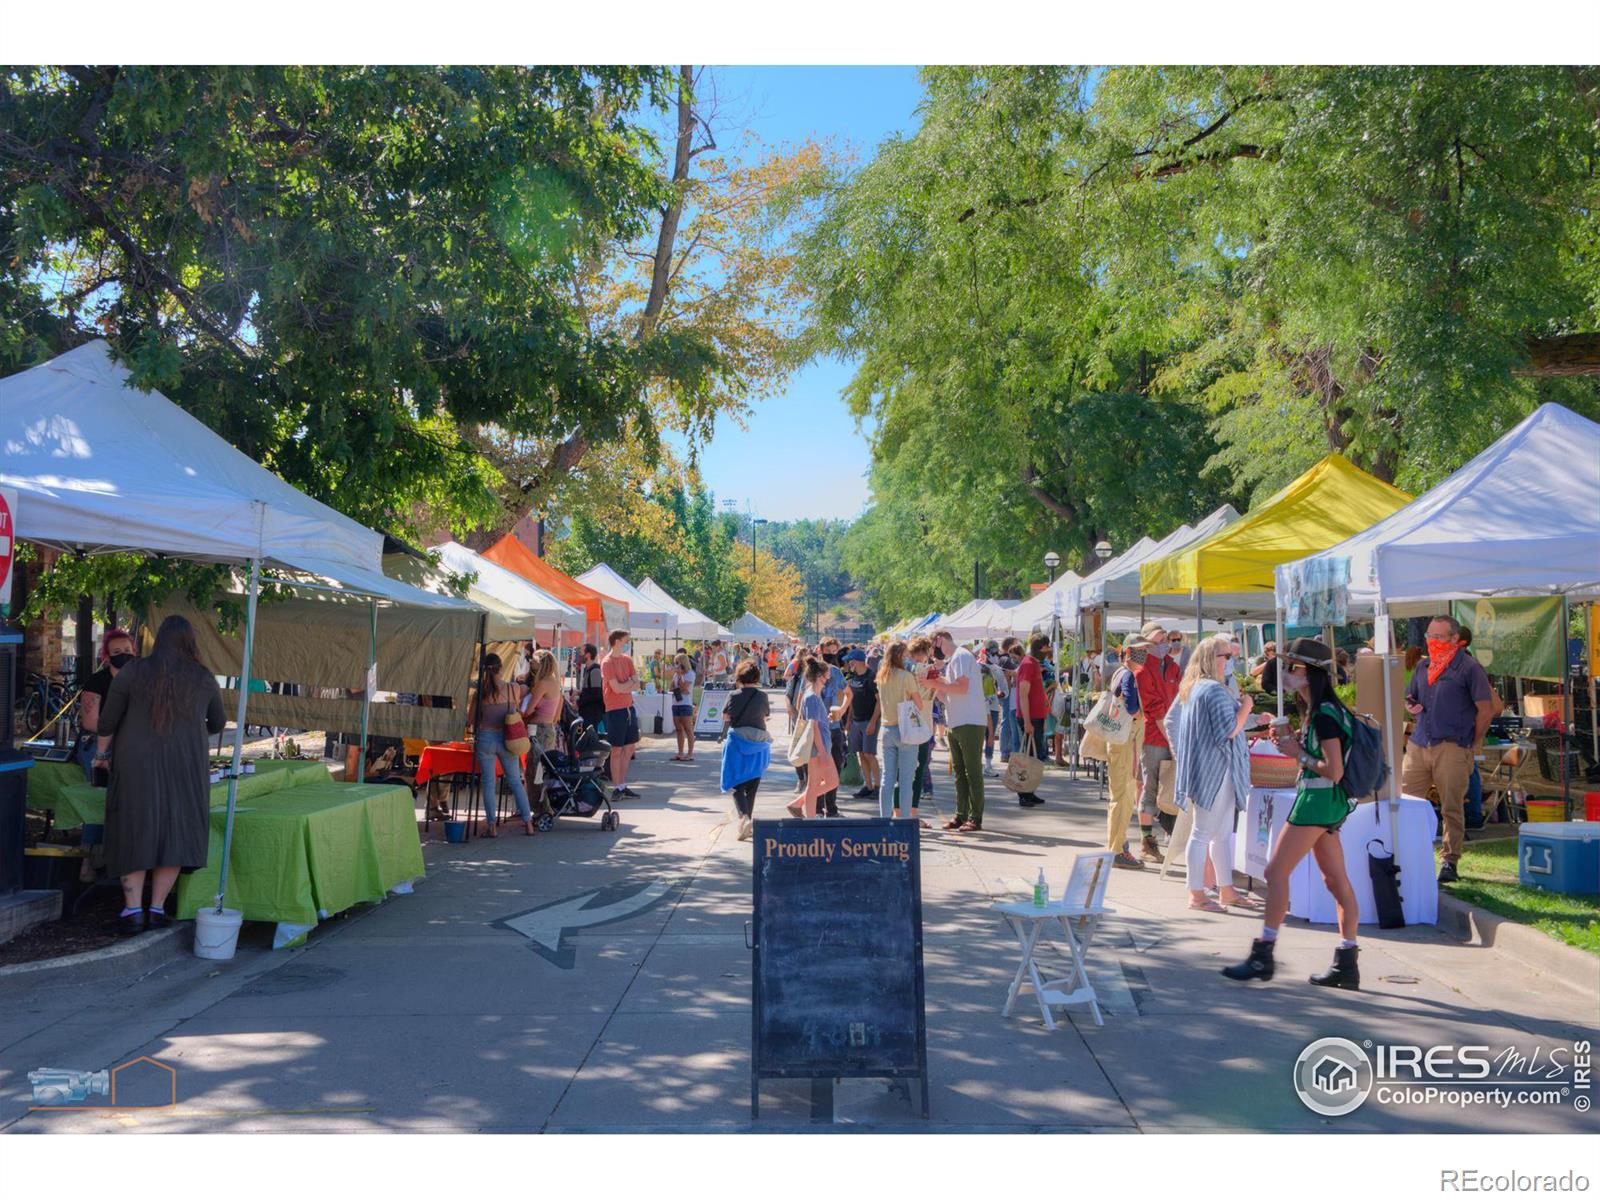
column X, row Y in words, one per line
column 544, row 926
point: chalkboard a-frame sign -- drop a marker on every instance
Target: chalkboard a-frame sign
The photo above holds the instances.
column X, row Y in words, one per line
column 837, row 953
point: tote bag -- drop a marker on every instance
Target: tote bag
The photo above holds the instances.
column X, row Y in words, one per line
column 1109, row 718
column 1024, row 772
column 516, row 733
column 915, row 726
column 801, row 742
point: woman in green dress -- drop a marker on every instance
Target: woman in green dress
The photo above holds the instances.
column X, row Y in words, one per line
column 1320, row 808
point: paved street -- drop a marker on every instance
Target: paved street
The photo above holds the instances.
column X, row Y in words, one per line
column 461, row 1008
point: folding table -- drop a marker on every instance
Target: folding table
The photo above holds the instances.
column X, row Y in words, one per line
column 1078, row 913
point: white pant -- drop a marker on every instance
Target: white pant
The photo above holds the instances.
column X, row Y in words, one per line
column 1213, row 831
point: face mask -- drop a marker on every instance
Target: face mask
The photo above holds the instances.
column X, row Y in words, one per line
column 1160, row 650
column 1138, row 657
column 120, row 660
column 1294, row 680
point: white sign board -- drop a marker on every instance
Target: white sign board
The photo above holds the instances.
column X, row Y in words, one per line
column 708, row 719
column 8, row 542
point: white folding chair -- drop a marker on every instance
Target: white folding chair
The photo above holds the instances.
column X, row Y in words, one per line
column 1078, row 913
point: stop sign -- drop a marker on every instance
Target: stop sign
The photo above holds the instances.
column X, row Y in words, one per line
column 8, row 542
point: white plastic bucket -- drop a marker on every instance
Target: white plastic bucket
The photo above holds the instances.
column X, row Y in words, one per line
column 216, row 934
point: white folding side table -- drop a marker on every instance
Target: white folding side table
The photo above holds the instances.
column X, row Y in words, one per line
column 1079, row 924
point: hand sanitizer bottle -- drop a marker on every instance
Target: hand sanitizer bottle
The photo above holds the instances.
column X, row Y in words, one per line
column 1041, row 891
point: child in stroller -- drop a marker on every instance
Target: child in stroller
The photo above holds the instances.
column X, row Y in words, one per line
column 574, row 782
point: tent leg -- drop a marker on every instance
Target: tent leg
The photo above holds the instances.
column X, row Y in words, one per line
column 1199, row 614
column 240, row 714
column 367, row 688
column 1594, row 718
column 1566, row 716
column 1282, row 638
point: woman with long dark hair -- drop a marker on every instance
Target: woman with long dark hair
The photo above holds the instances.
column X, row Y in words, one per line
column 159, row 711
column 1321, row 806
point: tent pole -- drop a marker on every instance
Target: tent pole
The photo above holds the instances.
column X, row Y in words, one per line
column 1566, row 716
column 1280, row 635
column 1594, row 719
column 367, row 687
column 238, row 729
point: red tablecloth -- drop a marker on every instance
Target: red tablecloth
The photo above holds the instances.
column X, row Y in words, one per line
column 453, row 758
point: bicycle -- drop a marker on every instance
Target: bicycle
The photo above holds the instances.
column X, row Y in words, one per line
column 46, row 699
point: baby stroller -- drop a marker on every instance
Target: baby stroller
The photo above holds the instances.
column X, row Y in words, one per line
column 573, row 783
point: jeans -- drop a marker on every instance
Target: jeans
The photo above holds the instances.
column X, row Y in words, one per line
column 1010, row 731
column 1473, row 812
column 922, row 777
column 899, row 762
column 1212, row 833
column 491, row 744
column 966, row 756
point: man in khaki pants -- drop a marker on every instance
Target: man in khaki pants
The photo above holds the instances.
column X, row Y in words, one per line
column 1450, row 698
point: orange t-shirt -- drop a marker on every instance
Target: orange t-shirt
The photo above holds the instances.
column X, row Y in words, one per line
column 614, row 669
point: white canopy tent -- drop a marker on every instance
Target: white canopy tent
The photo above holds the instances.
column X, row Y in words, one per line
column 102, row 467
column 510, row 589
column 502, row 622
column 1520, row 519
column 752, row 626
column 691, row 623
column 976, row 618
column 644, row 614
column 1118, row 589
column 1045, row 607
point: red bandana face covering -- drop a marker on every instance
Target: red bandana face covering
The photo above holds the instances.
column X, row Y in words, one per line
column 1440, row 653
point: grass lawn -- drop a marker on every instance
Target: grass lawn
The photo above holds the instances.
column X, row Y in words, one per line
column 1489, row 880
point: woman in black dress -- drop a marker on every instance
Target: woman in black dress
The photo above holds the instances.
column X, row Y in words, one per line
column 160, row 710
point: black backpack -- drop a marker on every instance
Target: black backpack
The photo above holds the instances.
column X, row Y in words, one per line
column 591, row 695
column 1365, row 769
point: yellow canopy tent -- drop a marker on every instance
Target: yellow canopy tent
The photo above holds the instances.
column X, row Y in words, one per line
column 1329, row 503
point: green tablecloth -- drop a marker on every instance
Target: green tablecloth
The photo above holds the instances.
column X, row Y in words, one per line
column 78, row 803
column 48, row 780
column 308, row 851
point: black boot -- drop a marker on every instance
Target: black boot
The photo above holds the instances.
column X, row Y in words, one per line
column 1344, row 973
column 1258, row 966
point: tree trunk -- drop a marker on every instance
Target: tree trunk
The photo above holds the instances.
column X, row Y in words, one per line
column 1571, row 354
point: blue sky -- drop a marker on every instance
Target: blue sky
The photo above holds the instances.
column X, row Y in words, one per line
column 857, row 107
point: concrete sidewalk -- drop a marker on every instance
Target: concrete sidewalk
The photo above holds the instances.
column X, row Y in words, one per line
column 463, row 1007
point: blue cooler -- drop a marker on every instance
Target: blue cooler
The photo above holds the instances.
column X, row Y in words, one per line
column 1560, row 856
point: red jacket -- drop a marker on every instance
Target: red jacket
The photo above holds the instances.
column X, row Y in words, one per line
column 1157, row 681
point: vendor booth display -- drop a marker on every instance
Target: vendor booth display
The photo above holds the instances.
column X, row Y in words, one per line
column 103, row 467
column 601, row 613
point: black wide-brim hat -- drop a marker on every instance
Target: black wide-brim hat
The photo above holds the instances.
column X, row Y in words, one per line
column 1309, row 651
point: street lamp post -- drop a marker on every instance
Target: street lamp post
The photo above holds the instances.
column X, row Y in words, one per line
column 754, row 521
column 1102, row 550
column 1052, row 560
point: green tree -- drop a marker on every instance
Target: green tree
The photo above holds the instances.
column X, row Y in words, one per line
column 339, row 267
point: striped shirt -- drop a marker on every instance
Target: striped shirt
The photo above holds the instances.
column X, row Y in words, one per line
column 1199, row 732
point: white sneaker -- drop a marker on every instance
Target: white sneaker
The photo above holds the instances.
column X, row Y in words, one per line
column 746, row 829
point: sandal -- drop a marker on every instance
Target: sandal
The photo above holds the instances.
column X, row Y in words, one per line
column 1247, row 903
column 970, row 827
column 1209, row 906
column 952, row 824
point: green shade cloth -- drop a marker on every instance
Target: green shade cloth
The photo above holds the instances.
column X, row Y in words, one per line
column 78, row 803
column 48, row 780
column 308, row 851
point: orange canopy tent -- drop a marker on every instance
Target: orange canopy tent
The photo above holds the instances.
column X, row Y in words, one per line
column 600, row 612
